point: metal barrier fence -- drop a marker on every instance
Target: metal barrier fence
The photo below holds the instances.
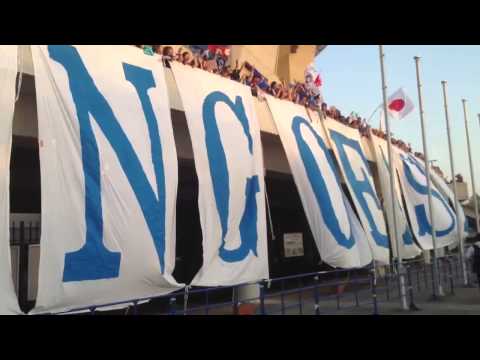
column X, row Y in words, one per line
column 317, row 293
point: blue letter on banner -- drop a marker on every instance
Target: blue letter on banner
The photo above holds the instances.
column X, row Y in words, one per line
column 423, row 223
column 407, row 234
column 94, row 261
column 318, row 183
column 360, row 187
column 220, row 177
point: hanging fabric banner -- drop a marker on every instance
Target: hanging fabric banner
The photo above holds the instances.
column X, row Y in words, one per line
column 408, row 248
column 413, row 182
column 340, row 239
column 109, row 177
column 447, row 192
column 8, row 74
column 228, row 158
column 347, row 146
column 444, row 189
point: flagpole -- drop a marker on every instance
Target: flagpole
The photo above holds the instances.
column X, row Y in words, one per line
column 403, row 295
column 373, row 113
column 454, row 182
column 472, row 172
column 436, row 286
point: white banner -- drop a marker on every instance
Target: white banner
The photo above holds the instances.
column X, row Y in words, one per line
column 339, row 237
column 408, row 248
column 109, row 176
column 413, row 181
column 347, row 146
column 8, row 74
column 228, row 158
column 445, row 190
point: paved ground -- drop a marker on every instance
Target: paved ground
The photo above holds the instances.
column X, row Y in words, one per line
column 465, row 301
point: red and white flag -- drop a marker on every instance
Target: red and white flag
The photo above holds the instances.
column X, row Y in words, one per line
column 313, row 81
column 399, row 105
column 224, row 49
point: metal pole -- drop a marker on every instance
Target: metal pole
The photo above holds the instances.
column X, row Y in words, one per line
column 436, row 286
column 403, row 295
column 472, row 172
column 270, row 222
column 454, row 182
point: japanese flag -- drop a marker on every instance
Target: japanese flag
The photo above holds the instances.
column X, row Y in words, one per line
column 399, row 105
column 313, row 80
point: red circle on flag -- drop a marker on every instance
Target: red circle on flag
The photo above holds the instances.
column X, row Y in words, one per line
column 397, row 105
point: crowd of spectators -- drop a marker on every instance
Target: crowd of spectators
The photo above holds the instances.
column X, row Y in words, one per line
column 302, row 93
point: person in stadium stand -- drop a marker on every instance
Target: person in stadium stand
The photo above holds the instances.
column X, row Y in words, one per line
column 235, row 75
column 220, row 59
column 187, row 59
column 168, row 54
column 274, row 89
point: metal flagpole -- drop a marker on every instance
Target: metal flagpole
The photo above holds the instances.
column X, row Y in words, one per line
column 373, row 113
column 403, row 294
column 472, row 172
column 454, row 182
column 437, row 290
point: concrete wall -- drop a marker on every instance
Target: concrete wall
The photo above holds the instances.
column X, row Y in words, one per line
column 299, row 61
column 263, row 57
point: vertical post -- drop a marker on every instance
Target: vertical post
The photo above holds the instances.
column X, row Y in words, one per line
column 397, row 237
column 387, row 283
column 338, row 290
column 270, row 222
column 412, row 305
column 172, row 305
column 316, row 296
column 373, row 284
column 235, row 300
column 472, row 172
column 450, row 271
column 355, row 282
column 454, row 183
column 207, row 308
column 135, row 310
column 262, row 298
column 300, row 297
column 23, row 268
column 437, row 290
